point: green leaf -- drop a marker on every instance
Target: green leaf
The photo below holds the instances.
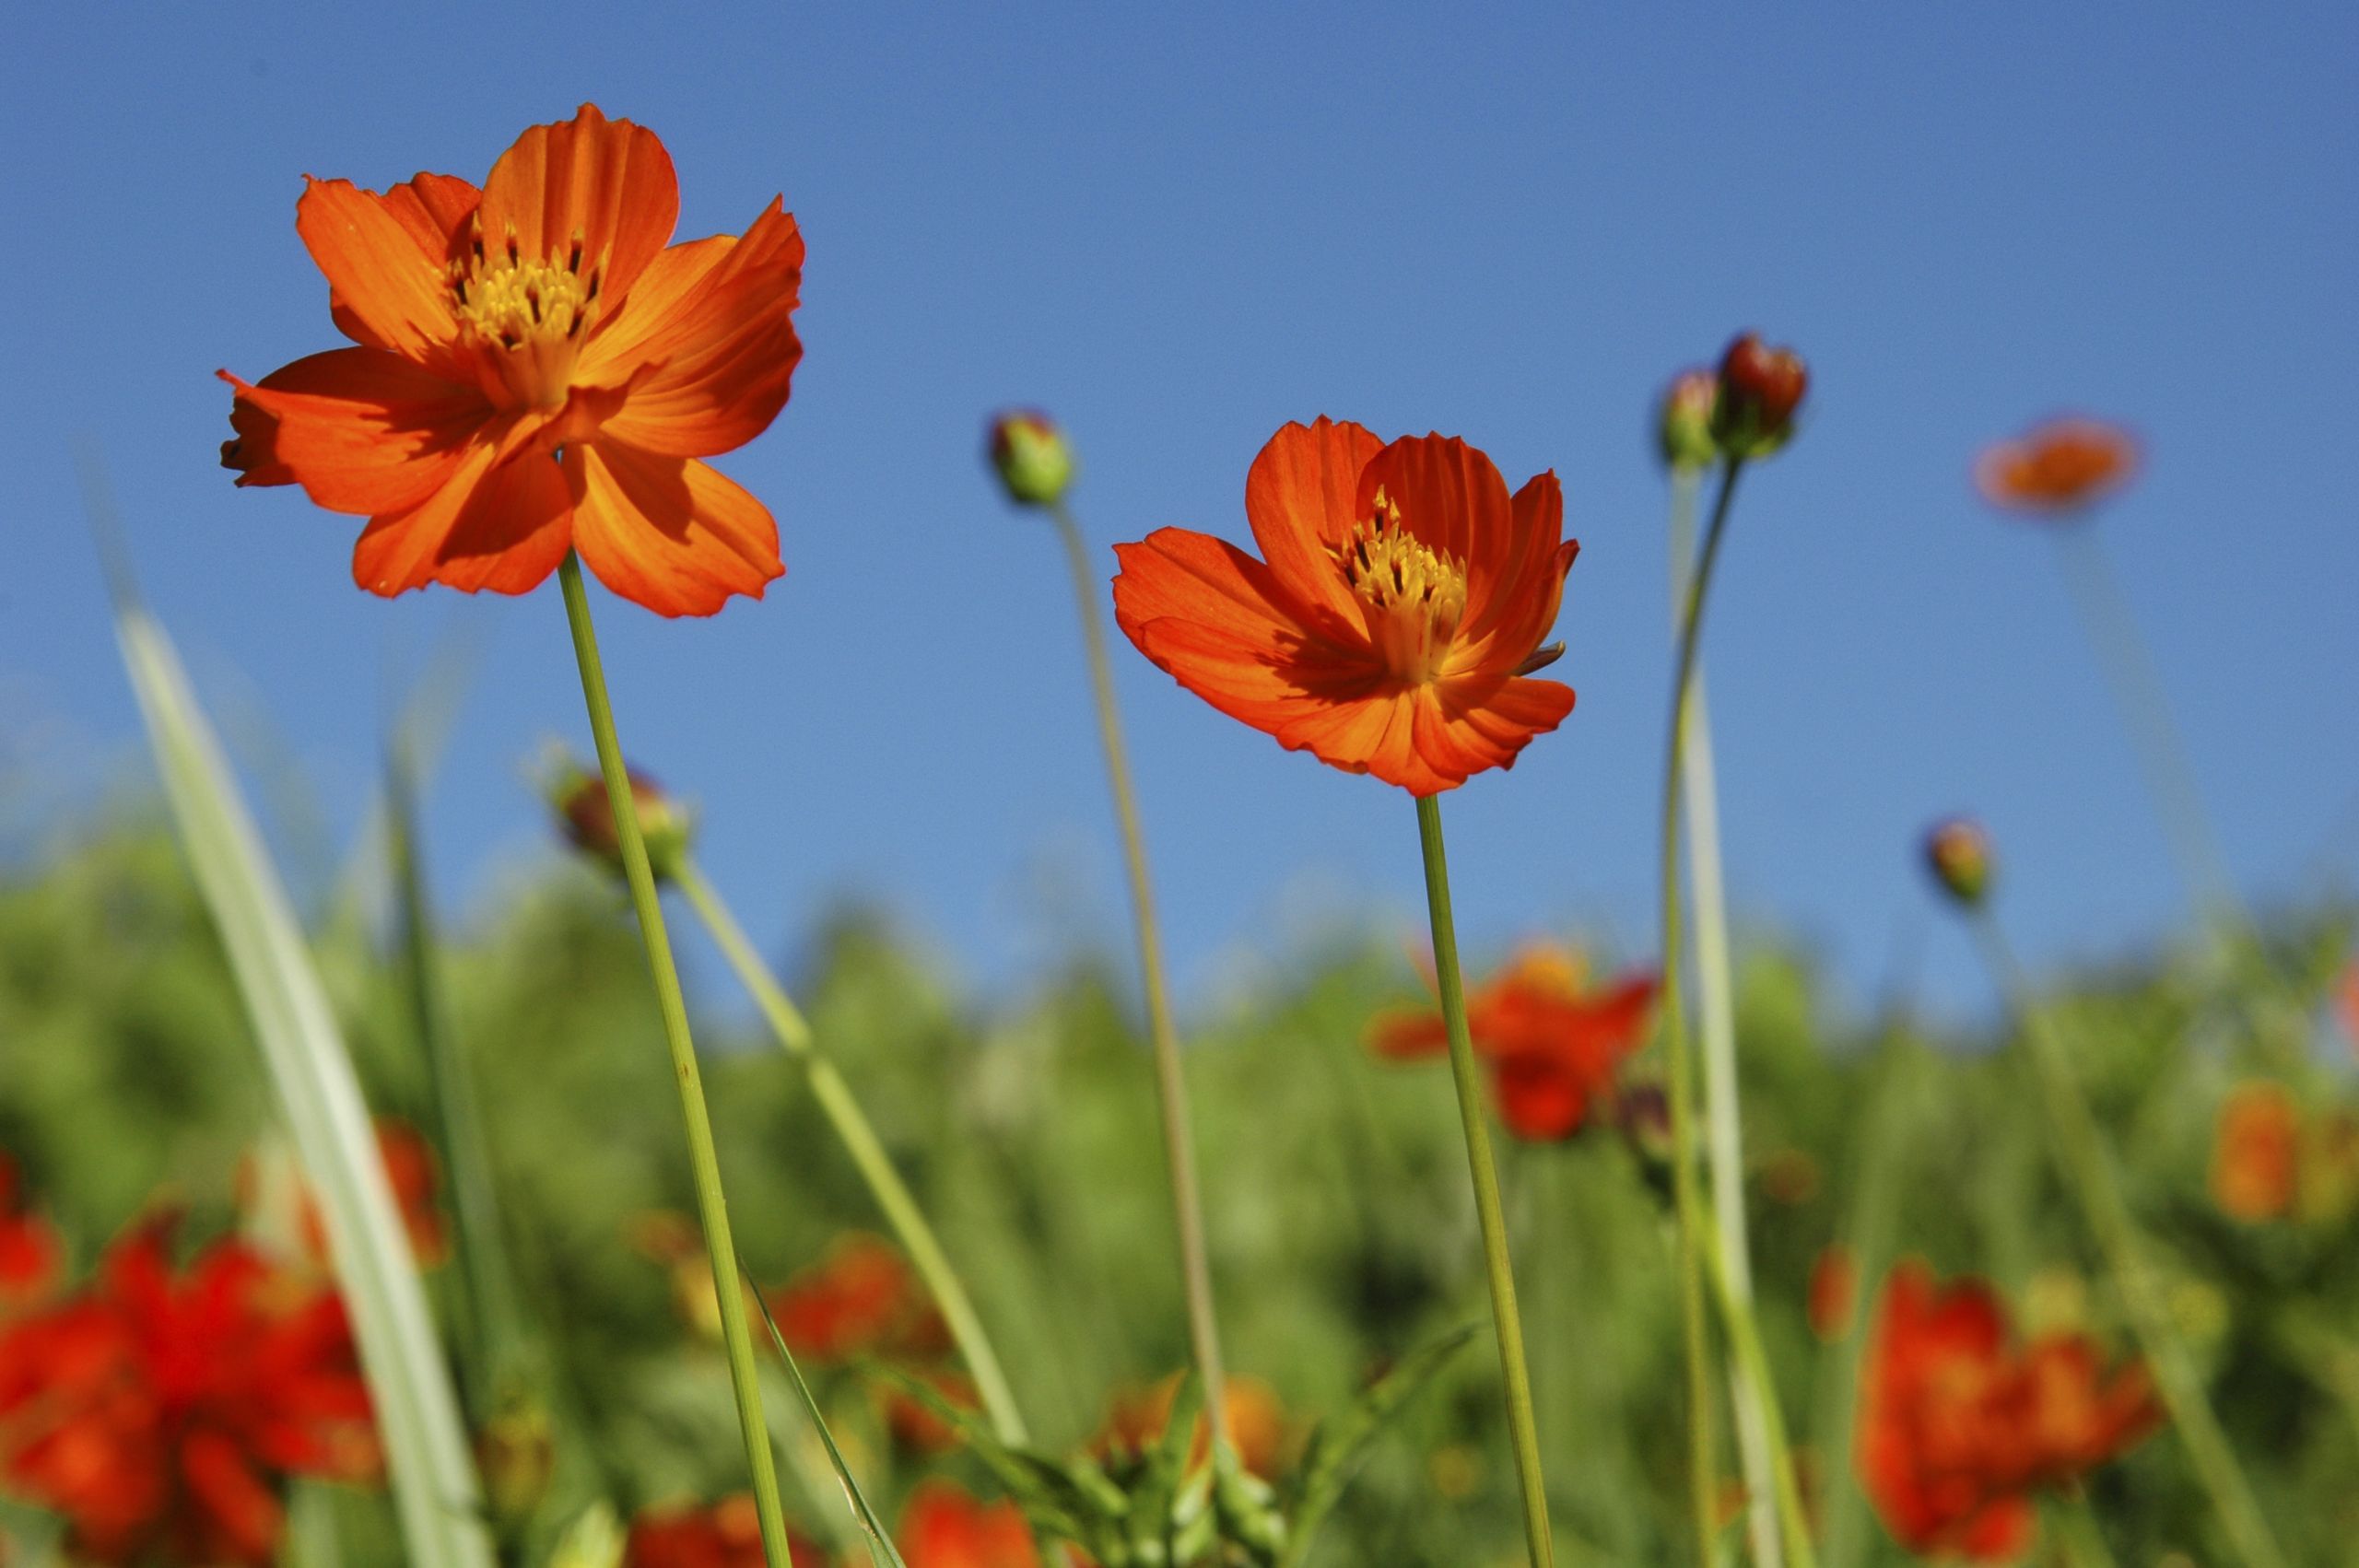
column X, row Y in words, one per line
column 431, row 1476
column 1342, row 1443
column 881, row 1549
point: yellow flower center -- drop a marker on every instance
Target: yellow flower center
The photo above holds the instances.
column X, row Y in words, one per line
column 1413, row 595
column 527, row 317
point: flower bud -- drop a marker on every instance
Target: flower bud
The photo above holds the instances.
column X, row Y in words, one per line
column 516, row 1456
column 1684, row 422
column 1957, row 851
column 588, row 820
column 1760, row 388
column 1032, row 458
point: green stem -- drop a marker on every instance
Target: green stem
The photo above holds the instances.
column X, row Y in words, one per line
column 2082, row 1542
column 1522, row 1427
column 867, row 1150
column 1701, row 1459
column 1715, row 1000
column 713, row 1206
column 2088, row 1170
column 1744, row 1337
column 1171, row 1087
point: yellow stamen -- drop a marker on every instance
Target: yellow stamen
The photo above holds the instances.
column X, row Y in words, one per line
column 1412, row 595
column 528, row 316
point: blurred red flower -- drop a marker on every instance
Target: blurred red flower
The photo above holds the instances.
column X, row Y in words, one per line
column 162, row 1414
column 1257, row 1424
column 860, row 1299
column 536, row 369
column 2057, row 469
column 2255, row 1153
column 273, row 1195
column 726, row 1535
column 31, row 1250
column 1834, row 1291
column 1395, row 614
column 914, row 1425
column 944, row 1528
column 1957, row 1426
column 1552, row 1048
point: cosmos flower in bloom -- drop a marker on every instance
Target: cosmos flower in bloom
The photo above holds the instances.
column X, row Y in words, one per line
column 944, row 1528
column 1396, row 614
column 861, row 1298
column 536, row 369
column 1553, row 1047
column 1958, row 1426
column 161, row 1413
column 1256, row 1424
column 2057, row 469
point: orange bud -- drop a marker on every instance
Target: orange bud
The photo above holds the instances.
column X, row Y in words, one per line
column 587, row 819
column 1760, row 390
column 1957, row 851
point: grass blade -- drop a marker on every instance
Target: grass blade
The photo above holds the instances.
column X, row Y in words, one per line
column 881, row 1549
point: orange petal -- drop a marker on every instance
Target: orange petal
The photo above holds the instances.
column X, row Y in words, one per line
column 1538, row 1100
column 1522, row 597
column 501, row 524
column 361, row 429
column 1302, row 497
column 1451, row 496
column 670, row 534
column 391, row 288
column 609, row 181
column 433, row 209
column 1489, row 723
column 1179, row 572
column 714, row 319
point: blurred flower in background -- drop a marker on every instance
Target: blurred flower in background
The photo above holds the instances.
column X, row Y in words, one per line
column 1256, row 1424
column 31, row 1250
column 2057, row 469
column 728, row 1534
column 944, row 1528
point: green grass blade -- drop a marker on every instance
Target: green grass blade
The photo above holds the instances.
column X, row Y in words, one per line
column 881, row 1549
column 431, row 1476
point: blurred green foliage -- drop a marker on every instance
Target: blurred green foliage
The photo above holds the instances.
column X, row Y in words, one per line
column 1343, row 1233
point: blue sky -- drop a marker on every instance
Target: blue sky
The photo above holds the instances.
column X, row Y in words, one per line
column 1178, row 228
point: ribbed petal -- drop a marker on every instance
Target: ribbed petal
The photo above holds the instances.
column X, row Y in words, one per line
column 390, row 291
column 1302, row 498
column 361, row 429
column 670, row 534
column 1452, row 498
column 432, row 209
column 501, row 524
column 610, row 182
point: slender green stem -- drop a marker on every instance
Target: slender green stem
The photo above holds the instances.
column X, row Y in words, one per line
column 2083, row 1543
column 1701, row 1457
column 1715, row 1006
column 1171, row 1085
column 713, row 1206
column 1523, row 1426
column 2088, row 1170
column 867, row 1150
column 1744, row 1337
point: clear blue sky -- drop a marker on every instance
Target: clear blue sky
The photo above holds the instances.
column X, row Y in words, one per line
column 1178, row 228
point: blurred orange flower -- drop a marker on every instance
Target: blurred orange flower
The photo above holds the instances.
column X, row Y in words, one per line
column 860, row 1299
column 1391, row 626
column 1834, row 1291
column 726, row 1535
column 536, row 369
column 1257, row 1424
column 280, row 1207
column 2255, row 1153
column 31, row 1250
column 944, row 1528
column 2057, row 469
column 1957, row 1426
column 162, row 1414
column 2346, row 1003
column 914, row 1425
column 1552, row 1048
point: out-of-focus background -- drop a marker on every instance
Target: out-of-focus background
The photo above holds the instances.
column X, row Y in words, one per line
column 1176, row 230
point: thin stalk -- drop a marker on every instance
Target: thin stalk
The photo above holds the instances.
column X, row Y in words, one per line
column 2088, row 1170
column 1522, row 1427
column 1701, row 1461
column 1744, row 1338
column 1171, row 1086
column 2146, row 708
column 2083, row 1543
column 867, row 1150
column 712, row 1206
column 1716, row 1007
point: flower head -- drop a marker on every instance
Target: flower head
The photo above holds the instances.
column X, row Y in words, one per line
column 1256, row 1424
column 537, row 368
column 1394, row 618
column 281, row 1210
column 1553, row 1047
column 163, row 1414
column 586, row 816
column 2057, row 469
column 2255, row 1154
column 1957, row 1426
column 860, row 1299
column 944, row 1528
column 1760, row 390
column 1683, row 420
column 31, row 1250
column 1031, row 457
column 1958, row 854
column 728, row 1534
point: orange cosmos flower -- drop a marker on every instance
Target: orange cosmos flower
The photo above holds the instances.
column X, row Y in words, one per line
column 1257, row 1424
column 162, row 1414
column 1391, row 626
column 1957, row 1427
column 860, row 1299
column 944, row 1528
column 537, row 370
column 2255, row 1154
column 726, row 1535
column 1552, row 1049
column 2058, row 469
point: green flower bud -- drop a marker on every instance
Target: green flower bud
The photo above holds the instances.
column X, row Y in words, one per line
column 1684, row 423
column 578, row 797
column 1957, row 851
column 1032, row 458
